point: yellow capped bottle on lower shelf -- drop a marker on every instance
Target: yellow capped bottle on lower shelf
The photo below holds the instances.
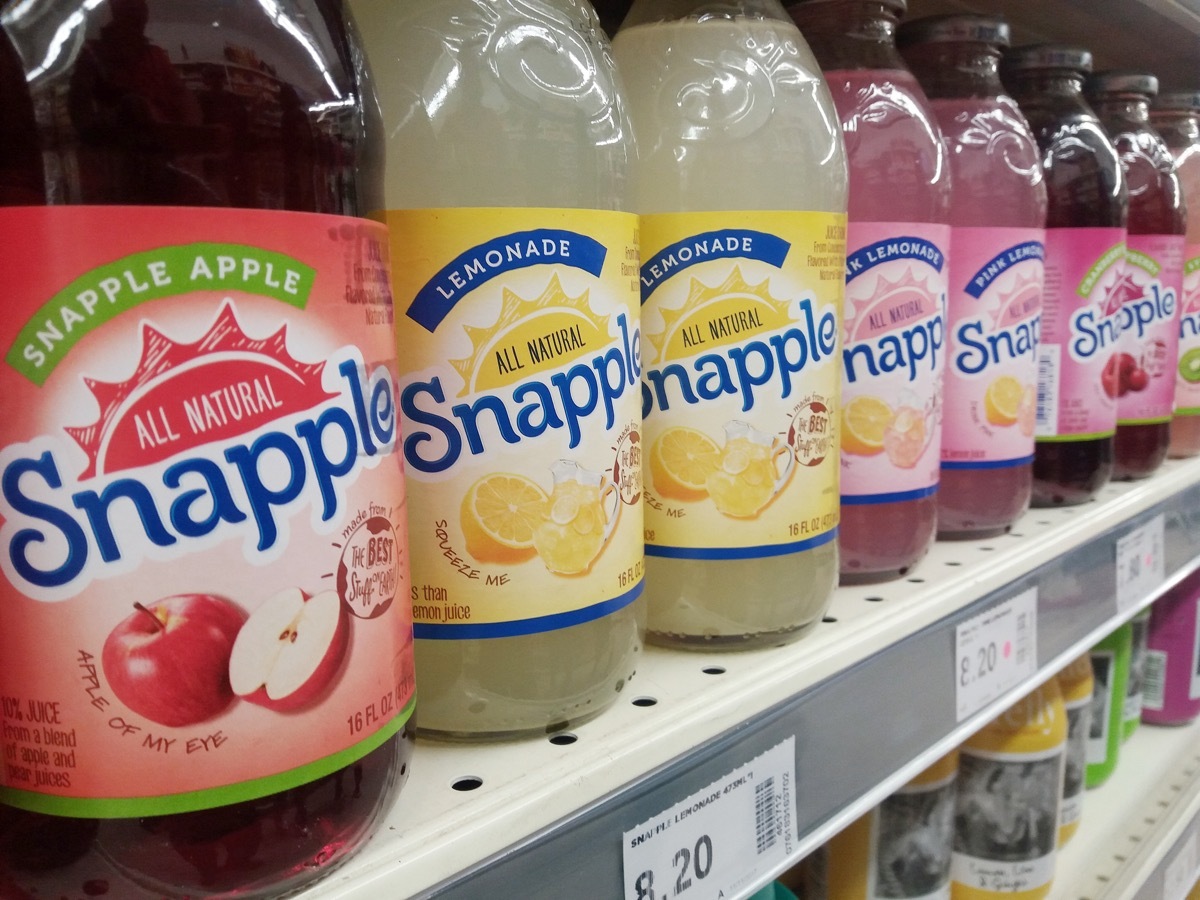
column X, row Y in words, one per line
column 1077, row 685
column 1009, row 793
column 900, row 849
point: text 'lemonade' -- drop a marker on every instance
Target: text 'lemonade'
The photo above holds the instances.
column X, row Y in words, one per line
column 997, row 218
column 200, row 486
column 742, row 301
column 895, row 319
column 517, row 317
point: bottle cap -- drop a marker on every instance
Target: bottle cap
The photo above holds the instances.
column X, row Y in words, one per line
column 1177, row 101
column 1048, row 56
column 954, row 28
column 1119, row 82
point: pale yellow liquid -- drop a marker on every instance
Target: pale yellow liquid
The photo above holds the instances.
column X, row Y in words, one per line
column 750, row 146
column 466, row 128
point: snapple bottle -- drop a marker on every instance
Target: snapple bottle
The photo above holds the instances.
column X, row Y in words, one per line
column 515, row 279
column 1148, row 361
column 898, row 238
column 1176, row 117
column 997, row 219
column 741, row 186
column 200, row 487
column 1078, row 358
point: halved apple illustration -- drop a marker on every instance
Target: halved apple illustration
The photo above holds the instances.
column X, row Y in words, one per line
column 290, row 649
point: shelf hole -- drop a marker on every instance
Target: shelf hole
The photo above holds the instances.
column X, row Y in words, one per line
column 1103, row 879
column 645, row 701
column 829, row 620
column 954, row 562
column 1016, row 534
column 873, row 599
column 987, row 549
column 916, row 580
column 467, row 783
column 562, row 740
column 1119, row 858
column 713, row 670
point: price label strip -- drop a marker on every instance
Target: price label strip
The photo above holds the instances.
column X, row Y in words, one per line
column 720, row 839
column 1181, row 872
column 994, row 652
column 1141, row 567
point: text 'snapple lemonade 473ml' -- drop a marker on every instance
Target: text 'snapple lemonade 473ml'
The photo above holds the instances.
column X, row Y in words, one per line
column 1085, row 274
column 1146, row 367
column 741, row 188
column 997, row 219
column 1176, row 117
column 515, row 275
column 897, row 243
column 201, row 491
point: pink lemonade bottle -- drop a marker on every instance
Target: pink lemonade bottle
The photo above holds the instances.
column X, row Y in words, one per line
column 1085, row 264
column 201, row 502
column 894, row 326
column 1146, row 366
column 1176, row 117
column 997, row 219
column 1171, row 688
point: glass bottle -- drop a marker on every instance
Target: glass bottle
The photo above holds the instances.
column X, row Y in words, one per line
column 997, row 219
column 515, row 275
column 1153, row 272
column 1171, row 695
column 1077, row 686
column 195, row 216
column 741, row 187
column 1135, row 683
column 1110, row 671
column 1085, row 234
column 1176, row 117
column 897, row 243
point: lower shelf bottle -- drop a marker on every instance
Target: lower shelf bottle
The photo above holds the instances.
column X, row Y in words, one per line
column 1077, row 685
column 1131, row 711
column 1110, row 669
column 1171, row 693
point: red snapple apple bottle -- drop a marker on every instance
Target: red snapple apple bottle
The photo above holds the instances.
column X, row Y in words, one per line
column 204, row 613
column 1176, row 117
column 1085, row 265
column 1148, row 361
column 897, row 244
column 997, row 219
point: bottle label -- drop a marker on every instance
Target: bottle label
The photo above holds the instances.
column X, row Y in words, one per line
column 202, row 507
column 1007, row 820
column 742, row 313
column 1104, row 672
column 990, row 398
column 911, row 841
column 1132, row 709
column 893, row 356
column 1187, row 376
column 1194, row 681
column 1077, row 355
column 520, row 399
column 1154, row 691
column 1075, row 760
column 1149, row 329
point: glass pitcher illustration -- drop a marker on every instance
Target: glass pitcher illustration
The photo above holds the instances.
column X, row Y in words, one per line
column 580, row 516
column 753, row 467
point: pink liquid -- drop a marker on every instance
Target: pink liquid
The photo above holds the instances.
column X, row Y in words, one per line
column 1172, row 693
column 898, row 174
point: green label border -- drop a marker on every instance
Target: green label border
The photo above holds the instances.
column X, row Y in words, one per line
column 1073, row 438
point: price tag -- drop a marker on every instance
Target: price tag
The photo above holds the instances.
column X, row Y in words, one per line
column 994, row 652
column 1141, row 568
column 720, row 839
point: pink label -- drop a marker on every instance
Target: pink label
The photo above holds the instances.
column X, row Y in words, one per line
column 202, row 511
column 894, row 356
column 1077, row 356
column 1187, row 377
column 990, row 397
column 1149, row 355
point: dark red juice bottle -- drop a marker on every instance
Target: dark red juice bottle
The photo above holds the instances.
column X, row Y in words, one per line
column 194, row 420
column 1085, row 234
column 898, row 239
column 997, row 221
column 1146, row 366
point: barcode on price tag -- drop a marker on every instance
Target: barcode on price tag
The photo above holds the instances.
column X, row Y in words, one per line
column 721, row 838
column 994, row 652
column 1141, row 568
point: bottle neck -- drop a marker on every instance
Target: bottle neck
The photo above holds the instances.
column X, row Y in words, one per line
column 1056, row 83
column 850, row 34
column 1173, row 122
column 954, row 69
column 646, row 11
column 1131, row 108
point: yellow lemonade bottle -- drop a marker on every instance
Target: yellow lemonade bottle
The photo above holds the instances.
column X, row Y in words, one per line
column 1077, row 686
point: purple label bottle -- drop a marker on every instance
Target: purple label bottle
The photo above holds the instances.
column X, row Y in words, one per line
column 1171, row 689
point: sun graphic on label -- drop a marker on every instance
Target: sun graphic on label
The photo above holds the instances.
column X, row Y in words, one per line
column 890, row 305
column 1015, row 300
column 710, row 317
column 530, row 337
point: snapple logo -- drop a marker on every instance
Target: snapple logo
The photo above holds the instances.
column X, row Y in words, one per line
column 226, row 436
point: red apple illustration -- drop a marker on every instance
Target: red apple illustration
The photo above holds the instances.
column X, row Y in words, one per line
column 1138, row 379
column 290, row 649
column 1110, row 378
column 169, row 661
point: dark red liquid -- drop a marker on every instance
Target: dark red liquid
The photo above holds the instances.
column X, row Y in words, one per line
column 1085, row 190
column 231, row 109
column 1155, row 207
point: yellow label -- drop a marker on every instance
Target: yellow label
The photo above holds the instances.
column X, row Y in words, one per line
column 742, row 315
column 520, row 398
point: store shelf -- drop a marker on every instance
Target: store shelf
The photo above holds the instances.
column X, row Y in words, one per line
column 868, row 698
column 1139, row 835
